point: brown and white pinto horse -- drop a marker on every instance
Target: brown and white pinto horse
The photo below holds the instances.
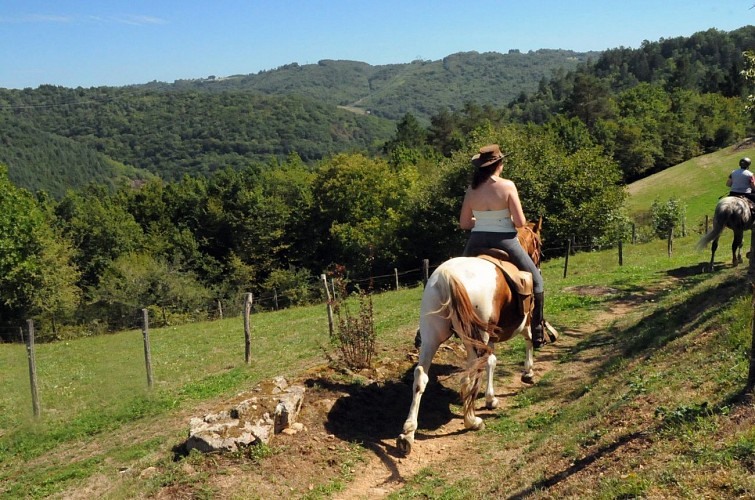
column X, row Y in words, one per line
column 469, row 296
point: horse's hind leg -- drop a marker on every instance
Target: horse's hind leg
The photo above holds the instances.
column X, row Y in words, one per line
column 736, row 248
column 713, row 248
column 434, row 331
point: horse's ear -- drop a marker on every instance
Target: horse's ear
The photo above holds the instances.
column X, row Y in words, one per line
column 538, row 224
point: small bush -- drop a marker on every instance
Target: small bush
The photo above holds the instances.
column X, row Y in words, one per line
column 354, row 334
column 667, row 216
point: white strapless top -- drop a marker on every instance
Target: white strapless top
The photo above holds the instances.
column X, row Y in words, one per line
column 493, row 221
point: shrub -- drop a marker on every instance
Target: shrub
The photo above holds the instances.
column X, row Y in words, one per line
column 667, row 216
column 353, row 335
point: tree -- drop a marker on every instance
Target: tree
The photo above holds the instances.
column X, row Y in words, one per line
column 359, row 203
column 100, row 229
column 37, row 278
column 590, row 99
column 409, row 134
column 136, row 281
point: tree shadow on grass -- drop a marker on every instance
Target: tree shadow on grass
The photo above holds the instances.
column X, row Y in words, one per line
column 662, row 325
column 678, row 420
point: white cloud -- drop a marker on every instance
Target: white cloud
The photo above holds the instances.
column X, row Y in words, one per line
column 133, row 20
column 138, row 20
column 37, row 18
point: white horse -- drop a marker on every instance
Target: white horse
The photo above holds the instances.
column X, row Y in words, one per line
column 470, row 296
column 733, row 212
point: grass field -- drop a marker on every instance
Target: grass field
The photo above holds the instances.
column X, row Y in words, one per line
column 698, row 183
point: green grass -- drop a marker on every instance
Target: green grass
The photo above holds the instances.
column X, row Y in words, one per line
column 698, row 182
column 92, row 386
column 667, row 374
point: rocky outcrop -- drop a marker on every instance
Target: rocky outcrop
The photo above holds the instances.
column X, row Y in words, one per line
column 253, row 417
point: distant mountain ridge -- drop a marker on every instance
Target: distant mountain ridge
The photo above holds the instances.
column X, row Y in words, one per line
column 421, row 87
column 55, row 138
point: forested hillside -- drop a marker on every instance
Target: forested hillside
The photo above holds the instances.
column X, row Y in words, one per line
column 422, row 88
column 63, row 163
column 199, row 126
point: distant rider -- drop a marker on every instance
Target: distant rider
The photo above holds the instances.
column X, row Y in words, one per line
column 741, row 181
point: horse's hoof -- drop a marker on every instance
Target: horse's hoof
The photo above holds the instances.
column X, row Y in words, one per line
column 492, row 404
column 477, row 425
column 528, row 378
column 404, row 444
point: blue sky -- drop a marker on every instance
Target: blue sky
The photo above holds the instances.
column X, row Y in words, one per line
column 113, row 42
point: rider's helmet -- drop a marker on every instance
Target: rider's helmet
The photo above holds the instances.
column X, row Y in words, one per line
column 745, row 162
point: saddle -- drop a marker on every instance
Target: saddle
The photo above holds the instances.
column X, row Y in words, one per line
column 519, row 281
column 747, row 200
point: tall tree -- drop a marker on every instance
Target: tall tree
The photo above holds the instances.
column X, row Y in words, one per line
column 37, row 278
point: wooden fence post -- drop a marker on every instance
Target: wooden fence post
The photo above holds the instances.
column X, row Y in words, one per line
column 32, row 369
column 425, row 271
column 220, row 309
column 621, row 253
column 634, row 233
column 275, row 298
column 248, row 299
column 670, row 241
column 566, row 258
column 395, row 273
column 330, row 304
column 147, row 354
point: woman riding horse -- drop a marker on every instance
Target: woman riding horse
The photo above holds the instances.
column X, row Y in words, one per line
column 492, row 210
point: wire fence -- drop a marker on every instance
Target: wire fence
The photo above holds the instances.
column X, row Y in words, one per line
column 312, row 291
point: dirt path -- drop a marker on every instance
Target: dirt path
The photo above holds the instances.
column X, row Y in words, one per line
column 386, row 471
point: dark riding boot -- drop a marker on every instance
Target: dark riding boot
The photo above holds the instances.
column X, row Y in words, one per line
column 538, row 334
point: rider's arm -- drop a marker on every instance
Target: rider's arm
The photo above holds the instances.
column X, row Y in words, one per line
column 728, row 181
column 466, row 217
column 515, row 207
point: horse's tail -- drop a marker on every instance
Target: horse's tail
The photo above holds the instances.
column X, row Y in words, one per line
column 719, row 223
column 470, row 328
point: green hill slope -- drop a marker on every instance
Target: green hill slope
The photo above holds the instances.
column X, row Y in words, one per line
column 698, row 183
column 640, row 398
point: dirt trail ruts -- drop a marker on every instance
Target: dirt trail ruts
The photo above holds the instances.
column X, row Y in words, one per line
column 386, row 470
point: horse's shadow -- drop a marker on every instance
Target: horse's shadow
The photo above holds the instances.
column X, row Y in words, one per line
column 375, row 412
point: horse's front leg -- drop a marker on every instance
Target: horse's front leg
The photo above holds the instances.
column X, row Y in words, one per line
column 528, row 376
column 491, row 402
column 428, row 347
column 405, row 440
